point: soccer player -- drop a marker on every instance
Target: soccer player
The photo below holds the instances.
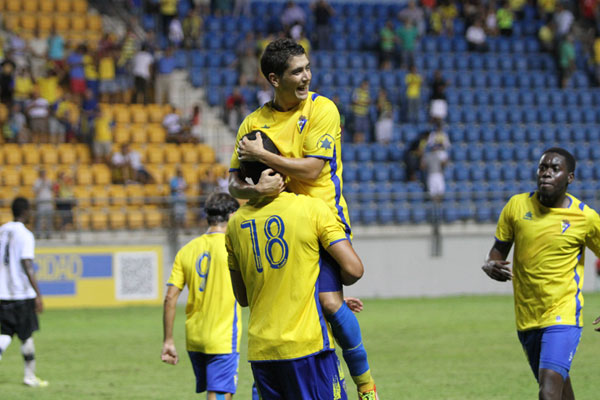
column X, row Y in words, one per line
column 305, row 127
column 274, row 244
column 550, row 229
column 213, row 321
column 20, row 296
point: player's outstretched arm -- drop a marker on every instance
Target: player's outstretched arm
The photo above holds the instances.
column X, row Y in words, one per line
column 495, row 265
column 269, row 184
column 27, row 265
column 351, row 267
column 169, row 352
column 597, row 322
column 307, row 168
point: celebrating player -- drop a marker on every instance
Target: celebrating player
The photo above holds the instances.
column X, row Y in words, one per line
column 550, row 229
column 20, row 296
column 274, row 245
column 305, row 127
column 213, row 321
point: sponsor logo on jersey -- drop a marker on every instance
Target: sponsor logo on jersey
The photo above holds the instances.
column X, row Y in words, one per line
column 565, row 224
column 301, row 123
column 528, row 216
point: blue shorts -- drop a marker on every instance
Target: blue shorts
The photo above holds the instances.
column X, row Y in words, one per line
column 215, row 372
column 551, row 348
column 315, row 377
column 329, row 279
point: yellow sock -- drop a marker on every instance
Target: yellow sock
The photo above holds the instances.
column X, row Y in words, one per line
column 364, row 382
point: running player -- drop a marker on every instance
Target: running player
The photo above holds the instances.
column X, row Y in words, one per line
column 550, row 229
column 274, row 243
column 20, row 296
column 305, row 127
column 213, row 320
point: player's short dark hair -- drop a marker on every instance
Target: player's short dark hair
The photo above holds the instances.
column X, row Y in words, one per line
column 253, row 169
column 276, row 56
column 218, row 206
column 19, row 206
column 569, row 159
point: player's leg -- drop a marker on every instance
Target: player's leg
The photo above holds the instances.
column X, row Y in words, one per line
column 199, row 361
column 7, row 324
column 26, row 325
column 567, row 393
column 551, row 385
column 344, row 325
column 218, row 396
column 4, row 343
column 221, row 375
column 558, row 347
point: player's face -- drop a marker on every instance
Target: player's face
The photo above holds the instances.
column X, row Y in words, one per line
column 292, row 86
column 552, row 175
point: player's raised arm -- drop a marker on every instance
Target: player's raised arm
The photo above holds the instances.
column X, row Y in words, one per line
column 269, row 184
column 351, row 267
column 495, row 265
column 169, row 353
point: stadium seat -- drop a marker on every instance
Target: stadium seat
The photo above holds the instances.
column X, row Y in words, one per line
column 101, row 174
column 48, row 154
column 29, row 175
column 117, row 195
column 30, row 154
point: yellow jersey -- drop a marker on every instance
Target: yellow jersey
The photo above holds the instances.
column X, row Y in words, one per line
column 312, row 129
column 213, row 317
column 276, row 250
column 548, row 258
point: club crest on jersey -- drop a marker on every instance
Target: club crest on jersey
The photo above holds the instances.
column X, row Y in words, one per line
column 301, row 122
column 326, row 142
column 528, row 216
column 565, row 224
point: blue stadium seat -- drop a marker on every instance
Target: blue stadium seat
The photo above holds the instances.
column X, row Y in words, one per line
column 499, row 116
column 461, row 172
column 388, row 79
column 466, row 97
column 418, row 215
column 342, row 78
column 476, row 61
column 483, row 212
column 197, row 77
column 459, row 45
column 507, row 64
column 379, row 153
column 214, row 77
column 464, row 80
column 589, row 115
column 428, row 44
column 517, row 134
column 461, row 63
column 574, row 115
column 520, row 153
column 478, row 80
column 505, row 153
column 580, row 80
column 497, row 98
column 197, row 59
column 544, row 115
column 487, row 134
column 356, row 78
column 490, row 62
column 415, row 192
column 492, row 172
column 181, row 59
column 401, row 215
column 450, row 214
column 517, row 46
column 525, row 97
column 482, row 98
column 563, row 134
column 523, row 81
column 458, row 153
column 559, row 116
column 585, row 99
column 538, row 81
column 350, row 173
column 349, row 152
column 214, row 97
column 577, row 134
column 584, row 171
column 471, row 134
column 229, row 77
column 503, row 46
column 508, row 173
column 368, row 215
column 214, row 60
column 381, row 173
column 366, row 192
column 509, row 79
column 474, row 153
column 484, row 115
column 581, row 153
column 399, row 192
column 476, row 173
column 385, row 214
column 525, row 174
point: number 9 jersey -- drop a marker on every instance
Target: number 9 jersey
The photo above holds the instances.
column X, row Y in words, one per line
column 276, row 249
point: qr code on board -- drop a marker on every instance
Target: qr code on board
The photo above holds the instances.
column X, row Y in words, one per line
column 136, row 275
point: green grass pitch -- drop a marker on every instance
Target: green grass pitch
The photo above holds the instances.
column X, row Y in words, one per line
column 422, row 349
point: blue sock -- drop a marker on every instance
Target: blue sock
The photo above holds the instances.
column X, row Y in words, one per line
column 346, row 331
column 254, row 392
column 220, row 396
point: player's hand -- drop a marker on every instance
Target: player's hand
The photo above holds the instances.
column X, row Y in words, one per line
column 250, row 150
column 354, row 304
column 39, row 305
column 270, row 183
column 498, row 270
column 169, row 353
column 597, row 322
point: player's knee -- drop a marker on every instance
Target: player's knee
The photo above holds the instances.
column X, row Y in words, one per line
column 330, row 302
column 28, row 348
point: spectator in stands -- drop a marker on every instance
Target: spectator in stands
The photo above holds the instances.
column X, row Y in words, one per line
column 438, row 108
column 546, row 9
column 65, row 199
column 23, row 87
column 248, row 68
column 89, row 111
column 471, row 11
column 438, row 138
column 208, row 183
column 38, row 111
column 168, row 11
column 66, row 118
column 323, row 12
column 264, row 93
column 17, row 123
column 178, row 186
column 49, row 85
column 361, row 102
column 172, row 124
column 476, row 37
column 566, row 60
column 448, row 14
column 142, row 72
column 413, row 13
column 413, row 81
column 235, row 108
column 193, row 25
column 56, row 49
column 90, row 71
column 135, row 168
column 38, row 53
column 164, row 82
column 292, row 15
column 103, row 138
column 407, row 35
column 413, row 155
column 491, row 20
column 76, row 71
column 18, row 47
column 387, row 45
column 119, row 168
column 433, row 163
column 7, row 80
column 44, row 201
column 385, row 123
column 546, row 36
column 195, row 123
column 123, row 76
column 242, row 7
column 505, row 18
column 107, row 75
column 563, row 21
column 176, row 33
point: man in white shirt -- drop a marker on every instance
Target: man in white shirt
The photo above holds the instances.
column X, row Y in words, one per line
column 20, row 296
column 142, row 71
column 476, row 37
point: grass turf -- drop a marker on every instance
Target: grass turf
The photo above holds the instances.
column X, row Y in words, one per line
column 422, row 349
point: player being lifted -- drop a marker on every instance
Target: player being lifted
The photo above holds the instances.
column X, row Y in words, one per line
column 305, row 127
column 213, row 324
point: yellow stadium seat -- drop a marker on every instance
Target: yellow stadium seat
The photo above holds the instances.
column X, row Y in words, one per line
column 78, row 23
column 156, row 133
column 50, row 172
column 63, row 6
column 189, row 155
column 101, row 173
column 93, row 38
column 99, row 196
column 26, row 192
column 13, row 5
column 79, row 6
column 155, row 154
column 116, row 219
column 192, row 191
column 1, row 157
column 12, row 154
column 83, row 197
column 28, row 21
column 138, row 114
column 5, row 215
column 172, row 155
column 189, row 173
column 206, row 154
column 61, row 22
column 135, row 195
column 31, row 155
column 30, row 6
column 135, row 219
column 49, row 154
column 67, row 154
column 11, row 177
column 2, row 5
column 82, row 219
column 76, row 37
column 153, row 218
column 106, row 109
column 83, row 175
column 94, row 22
column 44, row 23
column 99, row 220
column 28, row 175
column 156, row 172
column 46, row 6
column 117, row 195
column 168, row 172
column 154, row 194
column 3, row 112
column 156, row 113
column 84, row 155
column 121, row 134
column 121, row 114
column 11, row 21
column 138, row 134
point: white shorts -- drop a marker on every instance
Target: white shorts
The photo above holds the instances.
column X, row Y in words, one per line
column 435, row 184
column 439, row 109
